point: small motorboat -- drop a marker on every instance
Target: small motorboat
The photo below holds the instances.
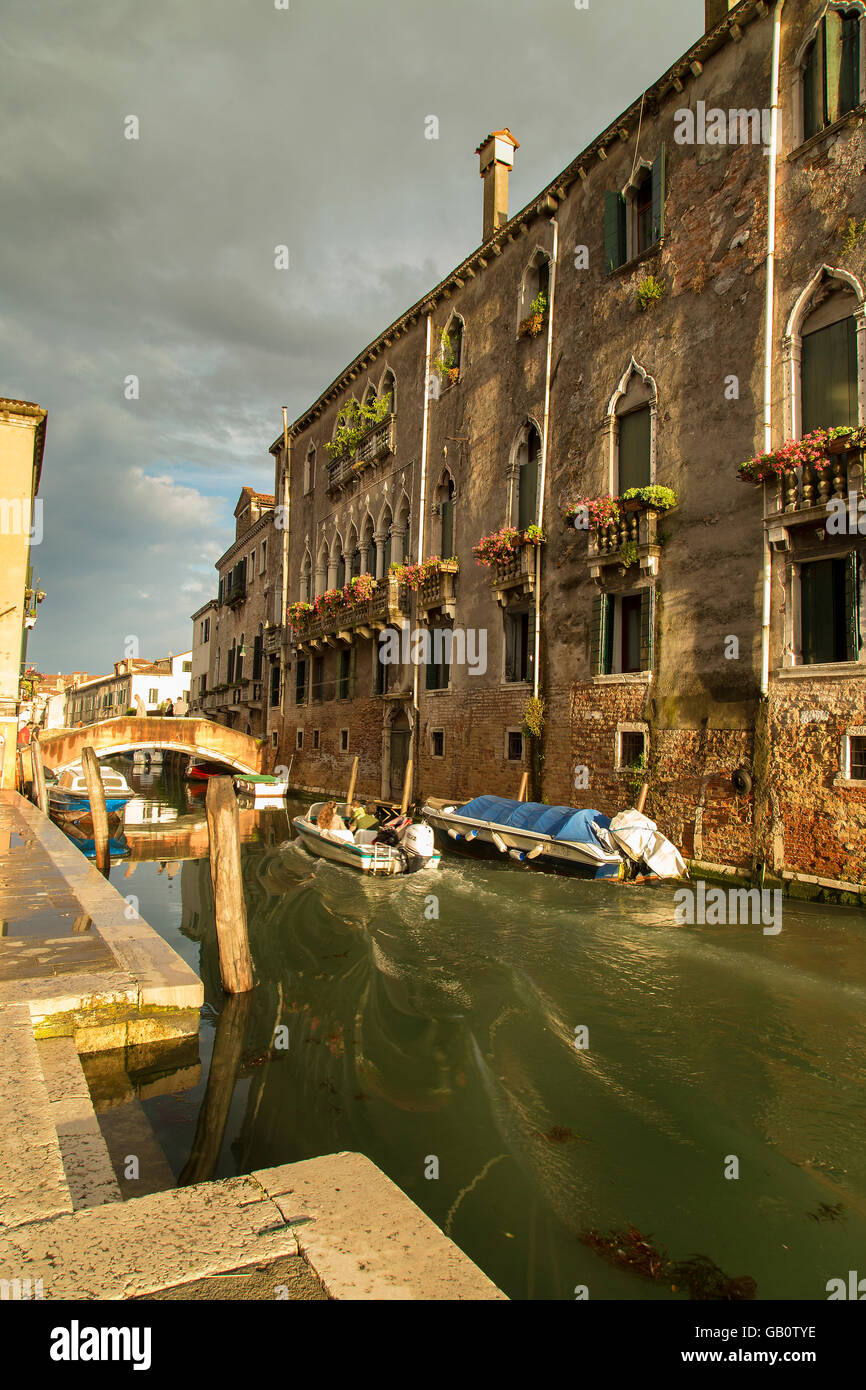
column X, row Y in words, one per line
column 413, row 846
column 585, row 843
column 262, row 786
column 201, row 771
column 68, row 793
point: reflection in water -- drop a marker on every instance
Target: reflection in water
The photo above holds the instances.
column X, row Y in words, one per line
column 452, row 1038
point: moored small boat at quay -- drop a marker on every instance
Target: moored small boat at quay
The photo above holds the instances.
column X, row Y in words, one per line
column 262, row 786
column 585, row 843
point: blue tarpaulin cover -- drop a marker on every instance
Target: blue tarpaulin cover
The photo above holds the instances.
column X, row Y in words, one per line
column 560, row 822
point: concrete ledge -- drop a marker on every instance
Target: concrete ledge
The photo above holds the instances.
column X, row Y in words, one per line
column 33, row 1184
column 365, row 1238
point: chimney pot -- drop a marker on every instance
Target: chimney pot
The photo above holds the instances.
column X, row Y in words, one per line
column 496, row 159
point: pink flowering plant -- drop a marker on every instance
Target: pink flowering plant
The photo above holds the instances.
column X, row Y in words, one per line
column 297, row 612
column 812, row 450
column 600, row 511
column 502, row 546
column 414, row 575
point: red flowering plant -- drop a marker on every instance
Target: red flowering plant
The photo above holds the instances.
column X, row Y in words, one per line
column 592, row 513
column 502, row 546
column 297, row 612
column 414, row 575
column 812, row 450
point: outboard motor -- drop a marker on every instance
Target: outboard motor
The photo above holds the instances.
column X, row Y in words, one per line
column 417, row 846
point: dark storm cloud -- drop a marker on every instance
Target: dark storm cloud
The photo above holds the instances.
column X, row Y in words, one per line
column 155, row 257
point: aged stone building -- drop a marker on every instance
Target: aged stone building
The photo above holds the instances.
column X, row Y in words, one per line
column 233, row 646
column 687, row 295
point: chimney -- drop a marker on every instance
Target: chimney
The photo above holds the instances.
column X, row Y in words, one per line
column 496, row 158
column 715, row 10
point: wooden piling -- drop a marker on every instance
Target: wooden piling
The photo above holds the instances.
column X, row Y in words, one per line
column 37, row 768
column 407, row 788
column 96, row 796
column 236, row 966
column 641, row 801
column 352, row 780
column 524, row 781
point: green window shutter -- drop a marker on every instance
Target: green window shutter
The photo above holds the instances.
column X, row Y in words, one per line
column 634, row 449
column 447, row 514
column 647, row 627
column 812, row 116
column 601, row 635
column 658, row 222
column 829, row 376
column 852, row 605
column 527, row 494
column 832, row 64
column 511, row 647
column 849, row 76
column 614, row 231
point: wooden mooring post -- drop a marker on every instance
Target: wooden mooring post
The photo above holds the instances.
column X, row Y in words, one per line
column 407, row 788
column 524, row 781
column 38, row 769
column 96, row 796
column 236, row 966
column 352, row 780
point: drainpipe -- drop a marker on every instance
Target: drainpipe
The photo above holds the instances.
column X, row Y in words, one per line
column 284, row 588
column 769, row 333
column 541, row 481
column 422, row 509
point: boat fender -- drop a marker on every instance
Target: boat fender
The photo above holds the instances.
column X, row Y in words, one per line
column 470, row 834
column 517, row 854
column 498, row 841
column 741, row 780
column 455, row 834
column 534, row 853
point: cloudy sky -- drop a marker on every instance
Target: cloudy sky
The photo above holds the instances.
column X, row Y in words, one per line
column 154, row 257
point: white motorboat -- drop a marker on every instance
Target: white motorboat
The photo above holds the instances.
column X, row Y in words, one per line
column 262, row 786
column 365, row 852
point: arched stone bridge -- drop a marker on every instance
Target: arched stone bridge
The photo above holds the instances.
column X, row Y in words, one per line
column 200, row 738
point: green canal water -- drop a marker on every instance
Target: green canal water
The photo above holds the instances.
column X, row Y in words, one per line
column 447, row 1043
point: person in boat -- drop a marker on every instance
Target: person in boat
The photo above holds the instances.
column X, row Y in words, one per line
column 362, row 818
column 333, row 824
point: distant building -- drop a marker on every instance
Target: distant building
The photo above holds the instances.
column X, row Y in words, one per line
column 153, row 682
column 204, row 624
column 22, row 440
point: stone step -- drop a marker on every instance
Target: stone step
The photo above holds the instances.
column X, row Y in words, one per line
column 86, row 1161
column 33, row 1181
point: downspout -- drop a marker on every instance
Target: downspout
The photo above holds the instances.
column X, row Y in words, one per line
column 422, row 509
column 541, row 481
column 769, row 335
column 284, row 622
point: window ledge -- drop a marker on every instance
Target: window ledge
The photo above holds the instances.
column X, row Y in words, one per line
column 635, row 261
column 829, row 670
column 856, row 114
column 855, row 783
column 624, row 678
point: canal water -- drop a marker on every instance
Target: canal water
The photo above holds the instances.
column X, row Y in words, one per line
column 431, row 1024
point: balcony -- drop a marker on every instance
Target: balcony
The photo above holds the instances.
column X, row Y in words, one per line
column 805, row 493
column 271, row 639
column 389, row 604
column 438, row 591
column 633, row 536
column 514, row 578
column 376, row 444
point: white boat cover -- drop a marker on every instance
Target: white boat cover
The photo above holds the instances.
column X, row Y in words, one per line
column 639, row 838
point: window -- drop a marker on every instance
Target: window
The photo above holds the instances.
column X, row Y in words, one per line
column 829, row 373
column 389, row 388
column 252, row 565
column 344, row 674
column 535, row 287
column 299, row 739
column 528, row 459
column 318, row 679
column 205, row 630
column 239, row 660
column 381, row 668
column 274, row 739
column 445, row 495
column 830, row 70
column 264, row 561
column 634, row 448
column 185, row 696
column 187, row 666
column 830, row 610
column 634, row 218
column 315, row 738
column 257, row 654
column 631, row 746
column 152, row 697
column 519, row 645
column 310, row 469
column 300, row 681
column 857, row 757
column 514, row 745
column 344, row 740
column 341, row 570
column 437, row 743
column 451, row 350
column 438, row 673
column 202, row 684
column 633, row 415
column 307, row 579
column 622, row 636
column 275, row 685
